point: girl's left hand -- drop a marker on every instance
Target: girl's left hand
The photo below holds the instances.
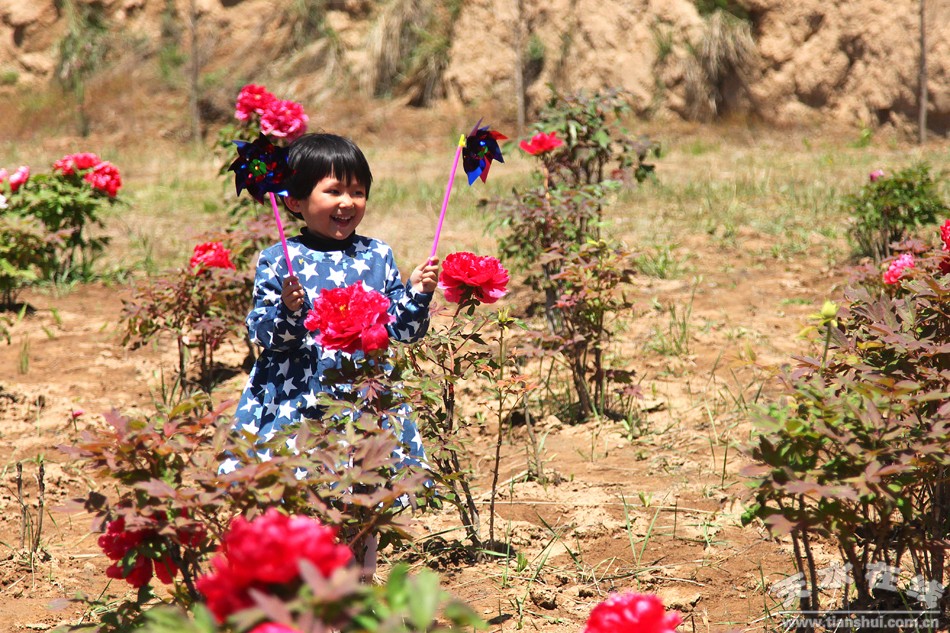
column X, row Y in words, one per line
column 425, row 277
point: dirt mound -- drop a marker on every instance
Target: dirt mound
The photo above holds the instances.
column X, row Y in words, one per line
column 853, row 62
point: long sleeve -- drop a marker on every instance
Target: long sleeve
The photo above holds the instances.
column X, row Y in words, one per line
column 408, row 305
column 270, row 324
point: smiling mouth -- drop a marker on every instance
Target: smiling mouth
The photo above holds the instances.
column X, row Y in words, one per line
column 342, row 220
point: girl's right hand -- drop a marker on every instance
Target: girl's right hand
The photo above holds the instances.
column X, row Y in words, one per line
column 292, row 293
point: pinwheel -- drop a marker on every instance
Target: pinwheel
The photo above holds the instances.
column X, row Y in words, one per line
column 261, row 168
column 477, row 151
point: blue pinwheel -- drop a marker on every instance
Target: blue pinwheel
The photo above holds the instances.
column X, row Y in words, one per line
column 477, row 151
column 481, row 148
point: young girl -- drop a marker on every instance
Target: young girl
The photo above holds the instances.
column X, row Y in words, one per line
column 328, row 190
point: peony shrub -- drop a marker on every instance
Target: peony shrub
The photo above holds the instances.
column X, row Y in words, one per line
column 68, row 202
column 200, row 305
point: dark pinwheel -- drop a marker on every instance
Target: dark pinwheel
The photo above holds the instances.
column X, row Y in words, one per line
column 260, row 168
column 481, row 148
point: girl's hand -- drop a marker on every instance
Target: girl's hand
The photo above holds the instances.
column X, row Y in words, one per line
column 292, row 293
column 425, row 277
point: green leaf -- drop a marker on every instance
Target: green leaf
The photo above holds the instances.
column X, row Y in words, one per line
column 424, row 600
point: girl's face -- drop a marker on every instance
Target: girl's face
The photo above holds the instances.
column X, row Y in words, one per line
column 334, row 209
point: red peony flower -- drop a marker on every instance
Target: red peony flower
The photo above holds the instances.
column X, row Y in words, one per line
column 165, row 570
column 105, row 177
column 252, row 99
column 19, row 178
column 210, row 255
column 284, row 119
column 896, row 269
column 267, row 551
column 71, row 163
column 117, row 542
column 631, row 613
column 541, row 143
column 350, row 319
column 137, row 576
column 945, row 235
column 468, row 276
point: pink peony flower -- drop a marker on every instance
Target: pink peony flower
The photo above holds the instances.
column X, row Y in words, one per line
column 19, row 177
column 71, row 163
column 896, row 270
column 350, row 319
column 272, row 627
column 631, row 613
column 284, row 119
column 876, row 174
column 252, row 99
column 267, row 551
column 541, row 143
column 105, row 178
column 467, row 276
column 945, row 235
column 210, row 255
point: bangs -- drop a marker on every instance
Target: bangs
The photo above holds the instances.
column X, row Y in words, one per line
column 313, row 157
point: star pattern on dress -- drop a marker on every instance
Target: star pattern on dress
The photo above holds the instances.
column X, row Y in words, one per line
column 337, row 277
column 308, row 271
column 288, row 386
column 310, row 399
column 287, row 337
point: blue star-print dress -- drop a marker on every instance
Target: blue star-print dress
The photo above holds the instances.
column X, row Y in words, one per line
column 283, row 386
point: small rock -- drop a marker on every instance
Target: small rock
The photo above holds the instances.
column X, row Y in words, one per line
column 678, row 599
column 544, row 598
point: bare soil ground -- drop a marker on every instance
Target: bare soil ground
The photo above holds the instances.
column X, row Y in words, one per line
column 683, row 539
column 655, row 513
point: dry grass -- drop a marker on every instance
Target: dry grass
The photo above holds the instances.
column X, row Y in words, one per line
column 726, row 49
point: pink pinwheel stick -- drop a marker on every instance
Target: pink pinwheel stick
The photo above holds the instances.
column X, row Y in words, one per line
column 448, row 192
column 280, row 229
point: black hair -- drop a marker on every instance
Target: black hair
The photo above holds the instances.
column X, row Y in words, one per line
column 313, row 157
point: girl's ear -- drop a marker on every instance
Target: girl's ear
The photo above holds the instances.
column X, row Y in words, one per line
column 293, row 206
